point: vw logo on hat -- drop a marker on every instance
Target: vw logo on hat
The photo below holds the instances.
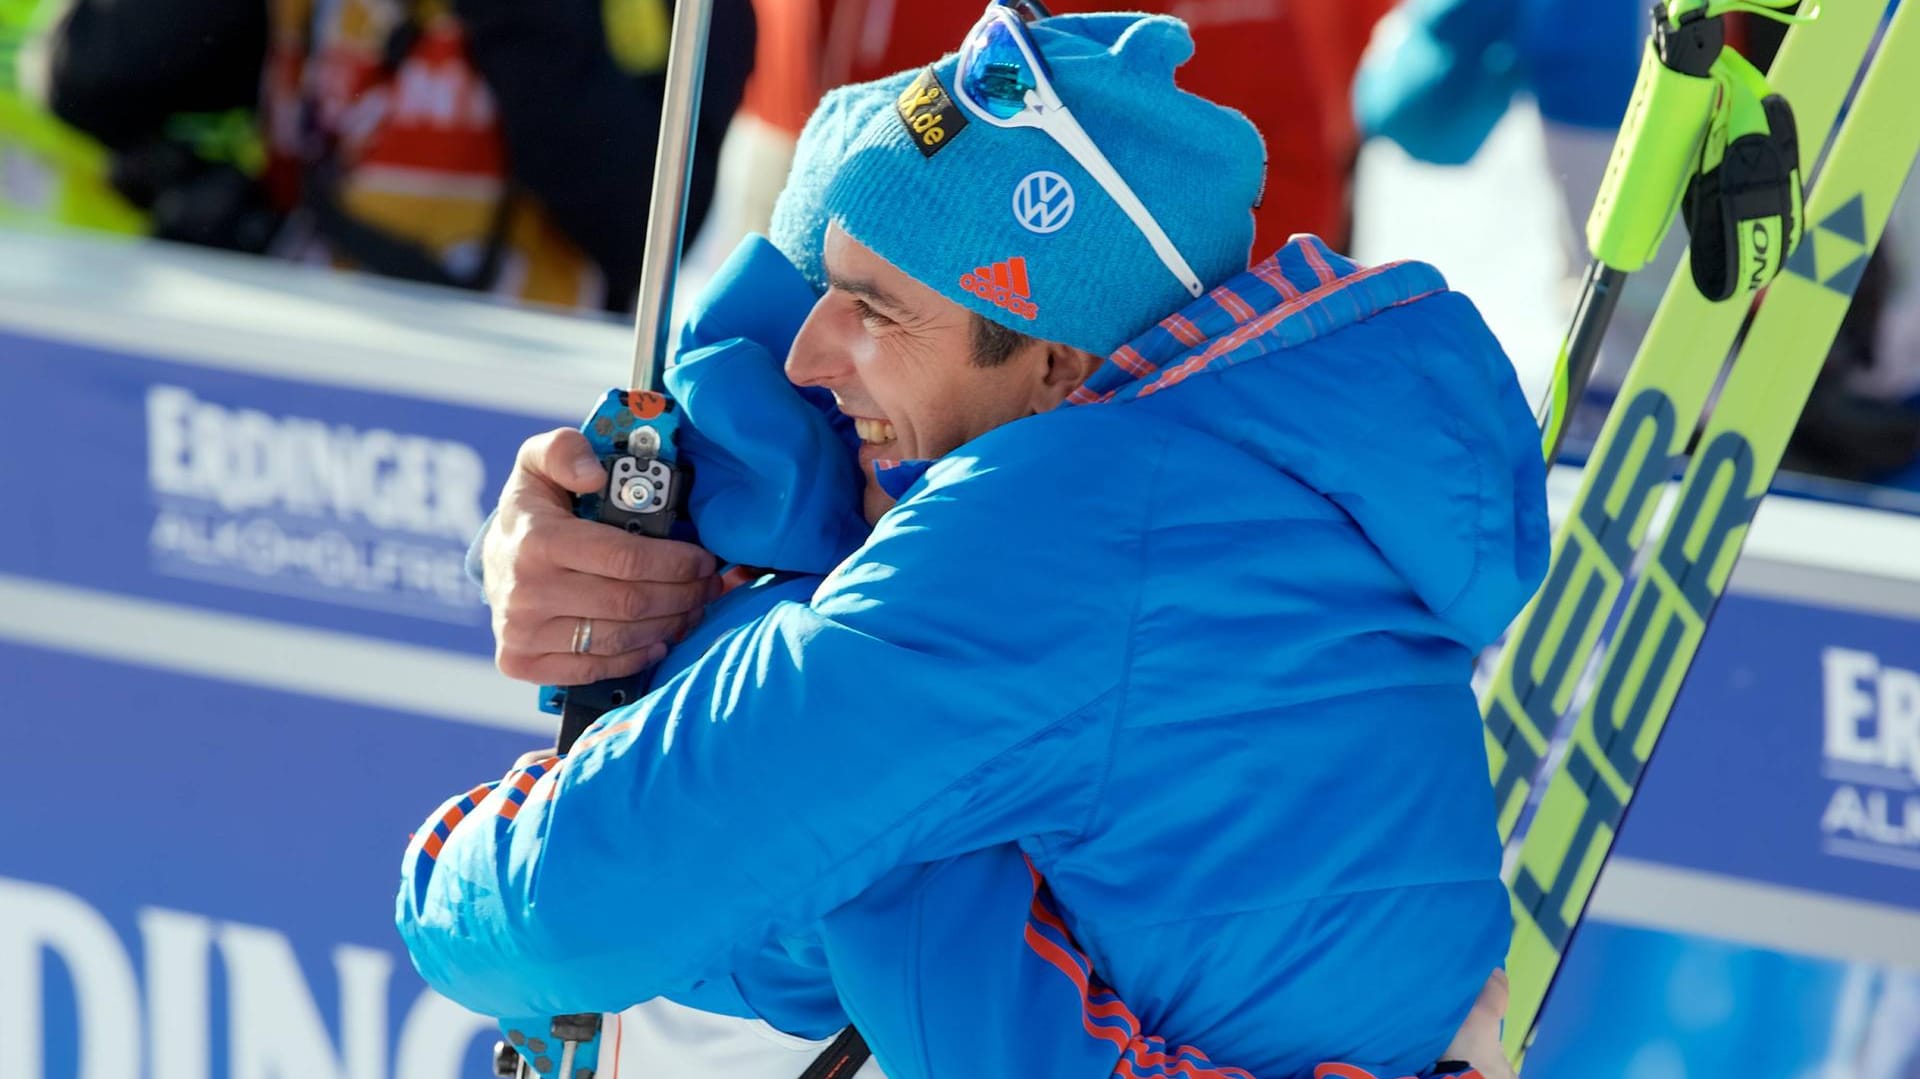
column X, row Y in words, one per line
column 1043, row 202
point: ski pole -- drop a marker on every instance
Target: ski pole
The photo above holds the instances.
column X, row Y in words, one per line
column 672, row 176
column 1703, row 134
column 632, row 431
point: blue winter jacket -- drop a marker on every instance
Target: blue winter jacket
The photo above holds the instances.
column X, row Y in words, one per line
column 1193, row 651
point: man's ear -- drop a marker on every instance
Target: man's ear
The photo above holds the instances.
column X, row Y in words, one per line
column 1064, row 369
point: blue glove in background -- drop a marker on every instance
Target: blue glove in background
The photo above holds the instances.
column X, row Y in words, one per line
column 1441, row 73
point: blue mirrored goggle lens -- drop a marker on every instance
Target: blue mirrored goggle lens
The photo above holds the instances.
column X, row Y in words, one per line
column 996, row 74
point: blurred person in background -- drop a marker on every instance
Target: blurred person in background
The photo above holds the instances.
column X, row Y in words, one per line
column 1862, row 418
column 1285, row 66
column 1440, row 74
column 1899, row 334
column 482, row 144
column 49, row 173
column 1896, row 376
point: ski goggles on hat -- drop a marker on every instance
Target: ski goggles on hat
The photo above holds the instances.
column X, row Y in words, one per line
column 1003, row 80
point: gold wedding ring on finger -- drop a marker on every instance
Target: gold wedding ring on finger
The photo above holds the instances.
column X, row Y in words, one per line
column 582, row 636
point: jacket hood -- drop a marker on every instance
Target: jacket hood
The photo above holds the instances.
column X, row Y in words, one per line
column 1378, row 388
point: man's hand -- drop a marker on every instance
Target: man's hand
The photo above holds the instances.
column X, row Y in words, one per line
column 546, row 570
column 1478, row 1040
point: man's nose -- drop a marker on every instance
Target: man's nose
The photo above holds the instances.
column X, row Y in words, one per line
column 818, row 357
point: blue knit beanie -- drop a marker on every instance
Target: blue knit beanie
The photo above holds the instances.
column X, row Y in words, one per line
column 799, row 225
column 1076, row 270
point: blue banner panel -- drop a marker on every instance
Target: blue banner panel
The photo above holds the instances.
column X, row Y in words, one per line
column 334, row 507
column 1655, row 1005
column 1793, row 755
column 201, row 876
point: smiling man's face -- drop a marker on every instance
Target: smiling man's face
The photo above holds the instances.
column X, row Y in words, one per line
column 905, row 362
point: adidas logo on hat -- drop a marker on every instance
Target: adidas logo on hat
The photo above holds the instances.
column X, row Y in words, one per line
column 1003, row 284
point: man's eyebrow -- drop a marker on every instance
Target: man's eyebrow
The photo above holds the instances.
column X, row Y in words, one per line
column 868, row 291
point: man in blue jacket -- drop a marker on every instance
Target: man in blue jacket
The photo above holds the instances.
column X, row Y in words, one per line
column 1189, row 657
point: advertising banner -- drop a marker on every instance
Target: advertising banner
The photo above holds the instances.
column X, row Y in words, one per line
column 1793, row 756
column 242, row 659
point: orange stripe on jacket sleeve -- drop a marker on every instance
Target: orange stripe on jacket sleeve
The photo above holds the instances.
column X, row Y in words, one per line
column 1197, row 1065
column 1148, row 1051
column 1051, row 953
column 1050, row 919
column 1173, row 1066
column 1340, row 1071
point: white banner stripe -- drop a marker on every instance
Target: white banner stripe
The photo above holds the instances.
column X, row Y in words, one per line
column 1653, row 896
column 274, row 655
column 1869, row 545
column 216, row 309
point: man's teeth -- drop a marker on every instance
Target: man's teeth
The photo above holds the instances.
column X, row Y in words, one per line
column 873, row 431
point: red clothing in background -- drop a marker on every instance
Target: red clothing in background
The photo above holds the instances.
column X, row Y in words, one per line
column 1287, row 64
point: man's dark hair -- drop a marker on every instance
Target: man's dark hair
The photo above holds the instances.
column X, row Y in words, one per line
column 994, row 344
